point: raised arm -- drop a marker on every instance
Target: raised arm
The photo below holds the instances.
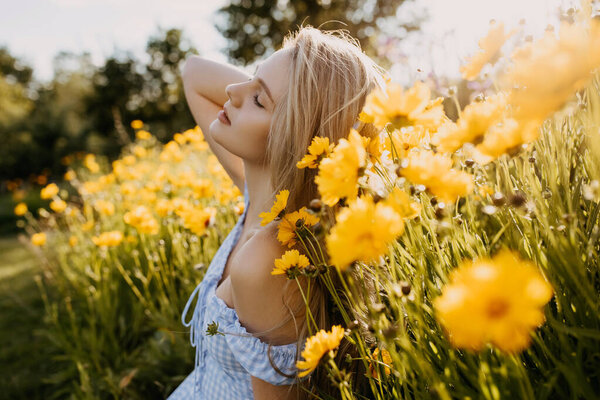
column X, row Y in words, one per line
column 204, row 83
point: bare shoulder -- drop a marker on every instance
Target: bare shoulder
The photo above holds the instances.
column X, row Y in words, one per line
column 259, row 297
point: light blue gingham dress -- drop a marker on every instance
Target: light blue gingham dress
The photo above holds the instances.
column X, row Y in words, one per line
column 224, row 364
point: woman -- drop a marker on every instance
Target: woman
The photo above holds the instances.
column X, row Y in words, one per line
column 316, row 85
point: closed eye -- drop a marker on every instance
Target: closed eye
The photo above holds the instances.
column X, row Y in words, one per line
column 256, row 101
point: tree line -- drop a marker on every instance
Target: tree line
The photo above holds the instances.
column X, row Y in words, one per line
column 89, row 108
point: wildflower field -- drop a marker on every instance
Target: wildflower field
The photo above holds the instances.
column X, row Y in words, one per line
column 481, row 234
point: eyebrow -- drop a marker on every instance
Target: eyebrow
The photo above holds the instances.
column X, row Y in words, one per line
column 264, row 85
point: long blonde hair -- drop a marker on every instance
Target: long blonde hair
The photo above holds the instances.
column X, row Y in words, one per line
column 330, row 78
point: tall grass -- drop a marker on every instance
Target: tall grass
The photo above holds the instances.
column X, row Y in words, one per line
column 113, row 302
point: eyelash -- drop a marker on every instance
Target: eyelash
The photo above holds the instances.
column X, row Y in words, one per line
column 256, row 101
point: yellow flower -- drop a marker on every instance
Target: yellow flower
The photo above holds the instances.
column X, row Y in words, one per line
column 194, row 135
column 142, row 219
column 287, row 226
column 38, row 239
column 399, row 200
column 139, row 151
column 490, row 46
column 197, row 220
column 104, row 207
column 70, row 175
column 73, row 241
column 88, row 225
column 549, row 71
column 137, row 124
column 472, row 125
column 49, row 191
column 143, row 135
column 400, row 141
column 203, row 188
column 128, row 189
column 385, row 358
column 403, row 108
column 504, row 138
column 436, row 173
column 21, row 209
column 362, row 232
column 318, row 149
column 239, row 207
column 338, row 174
column 90, row 187
column 163, row 207
column 112, row 238
column 90, row 163
column 317, row 346
column 171, row 152
column 129, row 160
column 290, row 264
column 58, row 206
column 497, row 300
column 277, row 209
column 179, row 138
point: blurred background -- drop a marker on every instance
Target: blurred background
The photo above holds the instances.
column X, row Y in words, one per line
column 74, row 74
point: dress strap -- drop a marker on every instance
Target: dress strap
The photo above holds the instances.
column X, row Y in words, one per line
column 194, row 325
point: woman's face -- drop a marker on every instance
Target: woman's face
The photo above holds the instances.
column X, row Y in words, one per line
column 250, row 108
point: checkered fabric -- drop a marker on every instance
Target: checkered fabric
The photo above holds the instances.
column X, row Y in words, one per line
column 224, row 363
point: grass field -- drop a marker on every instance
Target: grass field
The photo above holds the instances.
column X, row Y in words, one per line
column 24, row 354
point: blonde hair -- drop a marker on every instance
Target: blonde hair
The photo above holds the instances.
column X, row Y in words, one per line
column 330, row 78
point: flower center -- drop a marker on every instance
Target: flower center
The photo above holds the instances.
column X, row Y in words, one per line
column 497, row 308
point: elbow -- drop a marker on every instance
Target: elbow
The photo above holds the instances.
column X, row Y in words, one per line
column 190, row 67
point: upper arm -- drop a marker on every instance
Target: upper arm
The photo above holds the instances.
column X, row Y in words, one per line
column 204, row 83
column 266, row 391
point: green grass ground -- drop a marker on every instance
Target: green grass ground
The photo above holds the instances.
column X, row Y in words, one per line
column 24, row 354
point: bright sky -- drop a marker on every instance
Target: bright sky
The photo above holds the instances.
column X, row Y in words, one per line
column 35, row 30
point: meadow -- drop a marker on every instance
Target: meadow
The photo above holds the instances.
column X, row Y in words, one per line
column 467, row 249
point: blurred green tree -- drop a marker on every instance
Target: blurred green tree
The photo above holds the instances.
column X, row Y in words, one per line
column 257, row 27
column 125, row 89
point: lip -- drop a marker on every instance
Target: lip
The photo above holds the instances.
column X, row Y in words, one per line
column 223, row 116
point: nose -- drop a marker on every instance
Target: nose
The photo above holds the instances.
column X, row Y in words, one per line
column 233, row 92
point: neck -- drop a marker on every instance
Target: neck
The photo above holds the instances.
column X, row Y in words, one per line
column 258, row 180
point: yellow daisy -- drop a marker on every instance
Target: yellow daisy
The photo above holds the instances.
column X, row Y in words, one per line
column 49, row 191
column 403, row 108
column 338, row 174
column 198, row 219
column 436, row 173
column 549, row 71
column 318, row 149
column 288, row 225
column 137, row 124
column 58, row 205
column 504, row 137
column 38, row 239
column 400, row 141
column 290, row 264
column 142, row 219
column 497, row 300
column 277, row 209
column 363, row 232
column 400, row 201
column 109, row 239
column 317, row 346
column 385, row 358
column 21, row 209
column 472, row 125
